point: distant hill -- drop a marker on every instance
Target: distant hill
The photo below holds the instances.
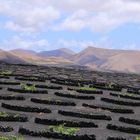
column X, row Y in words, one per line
column 23, row 51
column 10, row 58
column 63, row 52
column 92, row 57
column 108, row 59
column 26, row 55
column 125, row 61
column 36, row 58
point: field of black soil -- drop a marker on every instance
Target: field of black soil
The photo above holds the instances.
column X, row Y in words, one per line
column 38, row 103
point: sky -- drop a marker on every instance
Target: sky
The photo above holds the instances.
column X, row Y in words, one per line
column 74, row 24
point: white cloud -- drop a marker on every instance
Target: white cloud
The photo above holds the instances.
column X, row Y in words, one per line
column 73, row 44
column 105, row 42
column 17, row 27
column 40, row 15
column 74, row 22
column 28, row 15
column 77, row 45
column 17, row 42
column 101, row 15
column 132, row 46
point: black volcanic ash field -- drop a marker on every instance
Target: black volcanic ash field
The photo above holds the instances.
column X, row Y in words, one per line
column 104, row 106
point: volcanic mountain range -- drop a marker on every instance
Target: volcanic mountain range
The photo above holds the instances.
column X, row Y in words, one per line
column 92, row 57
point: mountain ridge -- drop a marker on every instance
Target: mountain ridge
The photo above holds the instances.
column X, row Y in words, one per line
column 92, row 57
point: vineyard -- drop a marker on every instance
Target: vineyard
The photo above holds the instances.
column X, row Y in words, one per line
column 38, row 103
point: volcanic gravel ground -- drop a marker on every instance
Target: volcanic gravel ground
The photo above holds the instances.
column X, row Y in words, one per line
column 86, row 77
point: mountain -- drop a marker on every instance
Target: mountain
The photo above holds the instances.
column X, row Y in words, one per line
column 92, row 54
column 26, row 55
column 108, row 59
column 125, row 61
column 23, row 51
column 35, row 58
column 63, row 53
column 92, row 57
column 10, row 58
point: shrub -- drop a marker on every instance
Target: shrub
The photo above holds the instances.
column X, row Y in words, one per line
column 3, row 114
column 88, row 88
column 109, row 85
column 138, row 138
column 11, row 137
column 5, row 72
column 28, row 87
column 62, row 130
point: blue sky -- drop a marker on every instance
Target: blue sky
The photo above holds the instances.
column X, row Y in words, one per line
column 74, row 24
